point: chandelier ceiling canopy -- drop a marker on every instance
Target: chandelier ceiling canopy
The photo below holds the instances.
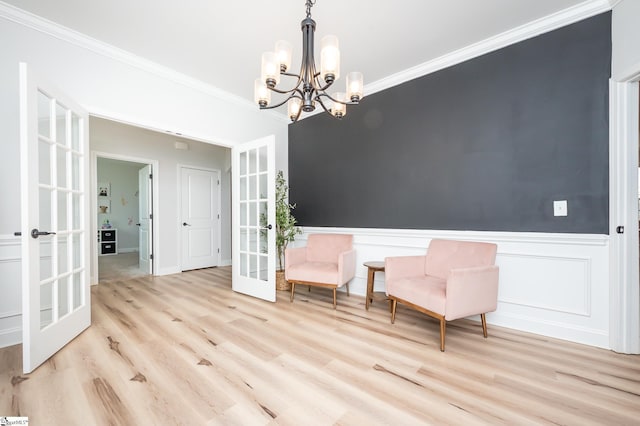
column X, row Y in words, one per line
column 312, row 85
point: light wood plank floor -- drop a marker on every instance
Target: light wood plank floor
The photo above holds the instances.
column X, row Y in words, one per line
column 185, row 349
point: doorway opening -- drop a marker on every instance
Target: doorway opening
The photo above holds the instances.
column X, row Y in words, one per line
column 124, row 218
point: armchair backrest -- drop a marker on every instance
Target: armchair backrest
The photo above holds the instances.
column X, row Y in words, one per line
column 444, row 255
column 327, row 247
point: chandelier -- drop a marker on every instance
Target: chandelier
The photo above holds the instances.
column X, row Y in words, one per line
column 312, row 86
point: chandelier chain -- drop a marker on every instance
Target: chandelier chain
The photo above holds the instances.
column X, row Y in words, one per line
column 310, row 3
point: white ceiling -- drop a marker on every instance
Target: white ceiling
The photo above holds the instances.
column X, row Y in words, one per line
column 221, row 42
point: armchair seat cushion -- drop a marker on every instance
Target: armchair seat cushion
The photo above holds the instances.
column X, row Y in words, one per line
column 426, row 291
column 315, row 272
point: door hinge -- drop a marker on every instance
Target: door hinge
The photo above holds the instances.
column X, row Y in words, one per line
column 150, row 175
column 218, row 181
column 150, row 215
column 151, row 256
column 218, row 216
column 218, row 250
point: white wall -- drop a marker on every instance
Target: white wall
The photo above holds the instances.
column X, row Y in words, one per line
column 122, row 177
column 625, row 35
column 107, row 83
column 550, row 284
column 107, row 136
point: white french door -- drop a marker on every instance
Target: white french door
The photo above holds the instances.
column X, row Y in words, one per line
column 145, row 229
column 253, row 224
column 56, row 300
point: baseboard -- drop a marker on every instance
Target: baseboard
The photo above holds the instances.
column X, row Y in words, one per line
column 225, row 262
column 10, row 337
column 128, row 250
column 168, row 271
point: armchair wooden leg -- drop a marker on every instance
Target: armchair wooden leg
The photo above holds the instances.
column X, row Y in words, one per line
column 334, row 298
column 394, row 303
column 293, row 290
column 483, row 317
column 443, row 330
column 347, row 289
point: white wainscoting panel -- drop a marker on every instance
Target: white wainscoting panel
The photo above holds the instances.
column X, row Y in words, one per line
column 10, row 291
column 555, row 285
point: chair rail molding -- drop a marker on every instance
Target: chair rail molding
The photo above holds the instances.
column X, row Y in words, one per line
column 551, row 284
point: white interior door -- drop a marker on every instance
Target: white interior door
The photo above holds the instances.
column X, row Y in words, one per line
column 200, row 218
column 54, row 142
column 253, row 221
column 145, row 219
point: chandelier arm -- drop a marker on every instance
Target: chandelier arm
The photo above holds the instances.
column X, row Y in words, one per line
column 317, row 98
column 281, row 103
column 297, row 85
column 334, row 100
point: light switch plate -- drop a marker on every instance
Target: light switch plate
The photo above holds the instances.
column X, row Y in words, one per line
column 560, row 208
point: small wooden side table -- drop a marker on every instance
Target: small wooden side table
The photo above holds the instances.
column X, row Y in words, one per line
column 373, row 267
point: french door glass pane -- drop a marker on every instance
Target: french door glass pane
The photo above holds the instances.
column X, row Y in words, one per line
column 62, row 167
column 262, row 159
column 75, row 132
column 75, row 172
column 46, row 304
column 61, row 125
column 44, row 162
column 77, row 290
column 243, row 163
column 62, row 211
column 263, row 267
column 44, row 115
column 243, row 188
column 46, row 270
column 76, row 201
column 263, row 186
column 253, row 266
column 252, row 161
column 44, row 211
column 77, row 251
column 63, row 247
column 63, row 296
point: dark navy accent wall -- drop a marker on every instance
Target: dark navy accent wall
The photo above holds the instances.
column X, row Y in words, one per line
column 484, row 145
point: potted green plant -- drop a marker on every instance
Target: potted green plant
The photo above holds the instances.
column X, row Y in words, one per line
column 286, row 229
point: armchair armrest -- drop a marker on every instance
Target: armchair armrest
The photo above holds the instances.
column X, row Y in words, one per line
column 346, row 266
column 471, row 291
column 294, row 256
column 399, row 267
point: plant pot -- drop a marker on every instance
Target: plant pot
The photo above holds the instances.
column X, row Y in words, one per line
column 281, row 283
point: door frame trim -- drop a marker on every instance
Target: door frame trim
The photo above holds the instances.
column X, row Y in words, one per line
column 155, row 197
column 624, row 298
column 181, row 166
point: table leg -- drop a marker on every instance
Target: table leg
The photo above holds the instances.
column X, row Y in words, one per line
column 370, row 276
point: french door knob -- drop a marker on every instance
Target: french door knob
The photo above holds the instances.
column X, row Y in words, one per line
column 267, row 227
column 185, row 224
column 35, row 233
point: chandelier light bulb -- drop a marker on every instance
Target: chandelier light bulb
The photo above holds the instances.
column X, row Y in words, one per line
column 293, row 108
column 270, row 69
column 355, row 85
column 261, row 94
column 339, row 109
column 283, row 52
column 329, row 58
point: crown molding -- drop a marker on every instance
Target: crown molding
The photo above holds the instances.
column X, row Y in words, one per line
column 548, row 23
column 76, row 38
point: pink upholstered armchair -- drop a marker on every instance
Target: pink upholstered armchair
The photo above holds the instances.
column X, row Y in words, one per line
column 328, row 260
column 456, row 279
